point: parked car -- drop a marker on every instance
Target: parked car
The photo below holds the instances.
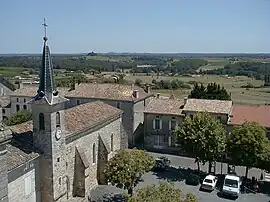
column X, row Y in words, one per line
column 209, row 183
column 193, row 179
column 162, row 163
column 231, row 186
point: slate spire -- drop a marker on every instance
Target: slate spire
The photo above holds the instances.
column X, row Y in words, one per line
column 46, row 84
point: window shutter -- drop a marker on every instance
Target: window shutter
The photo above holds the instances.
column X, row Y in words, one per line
column 28, row 185
column 160, row 124
column 170, row 141
column 154, row 126
column 170, row 125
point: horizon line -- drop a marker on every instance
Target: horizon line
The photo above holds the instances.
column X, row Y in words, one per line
column 246, row 53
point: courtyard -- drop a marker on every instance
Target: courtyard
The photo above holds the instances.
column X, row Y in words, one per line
column 177, row 174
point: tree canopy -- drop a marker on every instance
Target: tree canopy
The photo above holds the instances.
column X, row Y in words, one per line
column 124, row 170
column 250, row 69
column 203, row 137
column 213, row 91
column 162, row 193
column 247, row 145
column 19, row 117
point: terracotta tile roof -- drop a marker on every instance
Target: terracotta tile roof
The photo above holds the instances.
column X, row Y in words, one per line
column 18, row 156
column 4, row 101
column 106, row 91
column 22, row 128
column 31, row 91
column 88, row 114
column 260, row 114
column 211, row 106
column 20, row 149
column 164, row 106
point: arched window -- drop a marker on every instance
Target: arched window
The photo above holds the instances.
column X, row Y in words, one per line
column 25, row 107
column 111, row 142
column 41, row 122
column 57, row 119
column 94, row 153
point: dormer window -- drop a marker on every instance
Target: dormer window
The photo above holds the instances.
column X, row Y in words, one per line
column 41, row 122
column 57, row 120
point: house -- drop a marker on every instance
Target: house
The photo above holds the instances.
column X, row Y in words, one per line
column 259, row 114
column 61, row 154
column 129, row 98
column 163, row 116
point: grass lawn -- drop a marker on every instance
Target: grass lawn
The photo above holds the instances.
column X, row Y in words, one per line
column 12, row 71
column 256, row 96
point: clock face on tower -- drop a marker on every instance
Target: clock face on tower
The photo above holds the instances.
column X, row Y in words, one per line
column 58, row 134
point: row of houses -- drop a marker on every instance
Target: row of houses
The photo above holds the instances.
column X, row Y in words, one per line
column 162, row 116
column 146, row 117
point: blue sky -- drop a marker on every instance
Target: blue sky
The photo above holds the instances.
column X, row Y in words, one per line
column 184, row 26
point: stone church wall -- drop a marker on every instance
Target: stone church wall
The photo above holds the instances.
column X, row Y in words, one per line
column 85, row 145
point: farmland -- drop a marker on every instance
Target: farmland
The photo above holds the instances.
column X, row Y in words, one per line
column 249, row 96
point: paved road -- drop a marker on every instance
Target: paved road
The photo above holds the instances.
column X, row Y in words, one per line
column 103, row 193
column 221, row 168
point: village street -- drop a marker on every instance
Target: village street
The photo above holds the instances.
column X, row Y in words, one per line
column 177, row 176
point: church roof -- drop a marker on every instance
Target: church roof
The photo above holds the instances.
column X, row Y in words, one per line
column 88, row 115
column 107, row 91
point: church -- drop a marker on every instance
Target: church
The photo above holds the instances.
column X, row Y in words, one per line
column 61, row 153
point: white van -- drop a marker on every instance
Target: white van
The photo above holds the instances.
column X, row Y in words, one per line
column 231, row 186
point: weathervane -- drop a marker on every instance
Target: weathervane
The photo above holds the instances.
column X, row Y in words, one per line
column 45, row 30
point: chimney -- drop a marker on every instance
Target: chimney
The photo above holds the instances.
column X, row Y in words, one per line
column 148, row 88
column 172, row 97
column 158, row 95
column 20, row 85
column 136, row 94
column 5, row 136
column 185, row 100
column 74, row 86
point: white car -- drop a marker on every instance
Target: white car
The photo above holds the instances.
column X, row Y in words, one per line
column 209, row 182
column 231, row 185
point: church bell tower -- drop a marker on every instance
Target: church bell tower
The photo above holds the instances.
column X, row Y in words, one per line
column 48, row 130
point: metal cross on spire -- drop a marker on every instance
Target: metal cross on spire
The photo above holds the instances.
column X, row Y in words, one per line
column 45, row 30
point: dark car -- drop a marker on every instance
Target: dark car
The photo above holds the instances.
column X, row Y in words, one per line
column 193, row 179
column 162, row 163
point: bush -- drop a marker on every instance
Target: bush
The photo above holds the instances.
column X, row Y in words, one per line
column 19, row 117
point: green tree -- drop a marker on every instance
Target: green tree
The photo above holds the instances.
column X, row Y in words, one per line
column 247, row 145
column 203, row 137
column 138, row 82
column 162, row 193
column 124, row 170
column 19, row 117
column 213, row 91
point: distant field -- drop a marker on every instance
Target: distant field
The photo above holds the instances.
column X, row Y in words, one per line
column 214, row 63
column 12, row 71
column 252, row 96
column 109, row 58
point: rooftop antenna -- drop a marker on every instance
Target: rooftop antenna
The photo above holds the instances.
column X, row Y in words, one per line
column 45, row 30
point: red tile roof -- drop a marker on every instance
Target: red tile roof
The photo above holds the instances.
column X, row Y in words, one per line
column 260, row 114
